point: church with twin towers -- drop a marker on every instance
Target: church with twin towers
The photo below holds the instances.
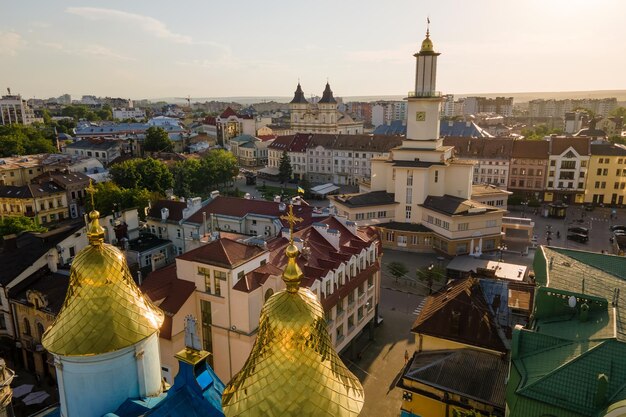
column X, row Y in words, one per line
column 420, row 196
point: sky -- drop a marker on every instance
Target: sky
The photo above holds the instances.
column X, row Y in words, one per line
column 200, row 48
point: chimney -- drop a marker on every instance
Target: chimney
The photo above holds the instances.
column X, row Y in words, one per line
column 214, row 194
column 277, row 199
column 53, row 260
column 331, row 235
column 139, row 278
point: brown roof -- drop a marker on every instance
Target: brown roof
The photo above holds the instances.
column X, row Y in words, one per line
column 256, row 278
column 494, row 148
column 175, row 207
column 460, row 313
column 63, row 179
column 223, row 252
column 241, row 207
column 370, row 143
column 163, row 284
column 608, row 149
column 455, row 206
column 560, row 144
column 531, row 149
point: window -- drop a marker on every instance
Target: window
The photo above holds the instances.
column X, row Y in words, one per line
column 382, row 214
column 26, row 329
column 351, row 321
column 207, row 337
column 436, row 175
column 409, row 179
column 350, row 298
column 597, row 184
column 408, row 212
column 359, row 313
column 389, row 237
column 568, row 164
column 409, row 196
column 340, row 307
column 3, row 323
column 370, row 281
column 402, row 240
column 605, row 172
column 446, row 225
column 552, row 163
column 599, row 171
column 491, row 223
column 339, row 332
column 462, row 226
column 328, row 285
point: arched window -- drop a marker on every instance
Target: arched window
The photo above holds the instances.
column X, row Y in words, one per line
column 26, row 329
column 268, row 294
column 40, row 330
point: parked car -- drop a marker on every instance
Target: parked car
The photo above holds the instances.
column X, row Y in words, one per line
column 578, row 237
column 589, row 207
column 618, row 227
column 619, row 233
column 579, row 230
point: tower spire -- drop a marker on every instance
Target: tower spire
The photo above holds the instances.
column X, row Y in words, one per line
column 292, row 275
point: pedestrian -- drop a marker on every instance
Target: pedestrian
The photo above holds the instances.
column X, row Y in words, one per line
column 406, row 357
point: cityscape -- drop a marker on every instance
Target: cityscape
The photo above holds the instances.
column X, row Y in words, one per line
column 182, row 238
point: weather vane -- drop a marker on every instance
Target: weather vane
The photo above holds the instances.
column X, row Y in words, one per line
column 291, row 219
column 91, row 190
column 428, row 26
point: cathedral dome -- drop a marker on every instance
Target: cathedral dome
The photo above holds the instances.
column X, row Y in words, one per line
column 104, row 310
column 293, row 369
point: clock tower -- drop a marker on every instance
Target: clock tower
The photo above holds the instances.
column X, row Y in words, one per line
column 424, row 102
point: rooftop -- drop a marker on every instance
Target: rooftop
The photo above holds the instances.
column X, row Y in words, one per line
column 455, row 206
column 225, row 253
column 95, row 144
column 373, row 198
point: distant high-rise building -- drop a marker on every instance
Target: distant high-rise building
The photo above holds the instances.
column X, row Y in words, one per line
column 499, row 105
column 15, row 110
column 558, row 108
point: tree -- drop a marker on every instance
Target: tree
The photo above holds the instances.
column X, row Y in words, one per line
column 142, row 173
column 25, row 140
column 110, row 197
column 539, row 132
column 284, row 169
column 397, row 269
column 187, row 178
column 430, row 275
column 18, row 224
column 157, row 140
column 618, row 112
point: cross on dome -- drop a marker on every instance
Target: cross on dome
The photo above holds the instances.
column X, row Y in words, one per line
column 292, row 220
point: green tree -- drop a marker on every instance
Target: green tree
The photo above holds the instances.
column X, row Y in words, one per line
column 397, row 270
column 18, row 224
column 430, row 275
column 539, row 132
column 217, row 168
column 157, row 140
column 142, row 173
column 284, row 168
column 110, row 197
column 618, row 112
column 24, row 140
column 105, row 113
column 187, row 179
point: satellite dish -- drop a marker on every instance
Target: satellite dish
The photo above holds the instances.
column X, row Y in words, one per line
column 572, row 301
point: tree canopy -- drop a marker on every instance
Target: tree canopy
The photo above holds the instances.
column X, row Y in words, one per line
column 397, row 270
column 195, row 177
column 24, row 140
column 17, row 224
column 284, row 168
column 157, row 140
column 110, row 197
column 80, row 111
column 539, row 132
column 142, row 173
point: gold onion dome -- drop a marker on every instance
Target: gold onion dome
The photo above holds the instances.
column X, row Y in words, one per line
column 293, row 369
column 427, row 44
column 104, row 310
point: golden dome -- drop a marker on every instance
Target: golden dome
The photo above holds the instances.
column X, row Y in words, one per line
column 103, row 309
column 293, row 369
column 427, row 44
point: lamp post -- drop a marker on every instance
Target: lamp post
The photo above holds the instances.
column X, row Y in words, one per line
column 502, row 248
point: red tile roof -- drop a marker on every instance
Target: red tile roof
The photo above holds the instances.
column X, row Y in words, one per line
column 227, row 113
column 223, row 252
column 531, row 149
column 265, row 138
column 292, row 143
column 256, row 278
column 240, row 207
column 163, row 284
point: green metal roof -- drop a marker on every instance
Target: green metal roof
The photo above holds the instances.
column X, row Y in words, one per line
column 557, row 362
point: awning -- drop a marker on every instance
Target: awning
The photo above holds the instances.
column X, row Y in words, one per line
column 324, row 189
column 22, row 390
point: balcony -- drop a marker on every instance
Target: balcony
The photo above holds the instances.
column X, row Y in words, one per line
column 424, row 94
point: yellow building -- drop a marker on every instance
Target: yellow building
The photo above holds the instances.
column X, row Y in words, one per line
column 459, row 363
column 46, row 203
column 606, row 177
column 20, row 170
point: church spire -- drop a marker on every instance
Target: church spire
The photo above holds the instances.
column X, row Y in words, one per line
column 298, row 96
column 327, row 95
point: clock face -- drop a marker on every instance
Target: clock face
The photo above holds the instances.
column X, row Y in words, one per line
column 420, row 116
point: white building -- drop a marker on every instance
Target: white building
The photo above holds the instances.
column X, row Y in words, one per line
column 15, row 110
column 567, row 169
column 385, row 112
column 123, row 114
column 421, row 190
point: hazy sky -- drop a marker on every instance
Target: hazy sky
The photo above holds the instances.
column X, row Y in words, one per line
column 203, row 48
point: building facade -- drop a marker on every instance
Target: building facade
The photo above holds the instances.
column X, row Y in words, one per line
column 422, row 189
column 567, row 169
column 606, row 179
column 15, row 110
column 529, row 168
column 492, row 158
column 104, row 150
column 46, row 203
column 320, row 117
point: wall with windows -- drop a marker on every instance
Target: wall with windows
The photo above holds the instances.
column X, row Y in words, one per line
column 606, row 182
column 567, row 173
